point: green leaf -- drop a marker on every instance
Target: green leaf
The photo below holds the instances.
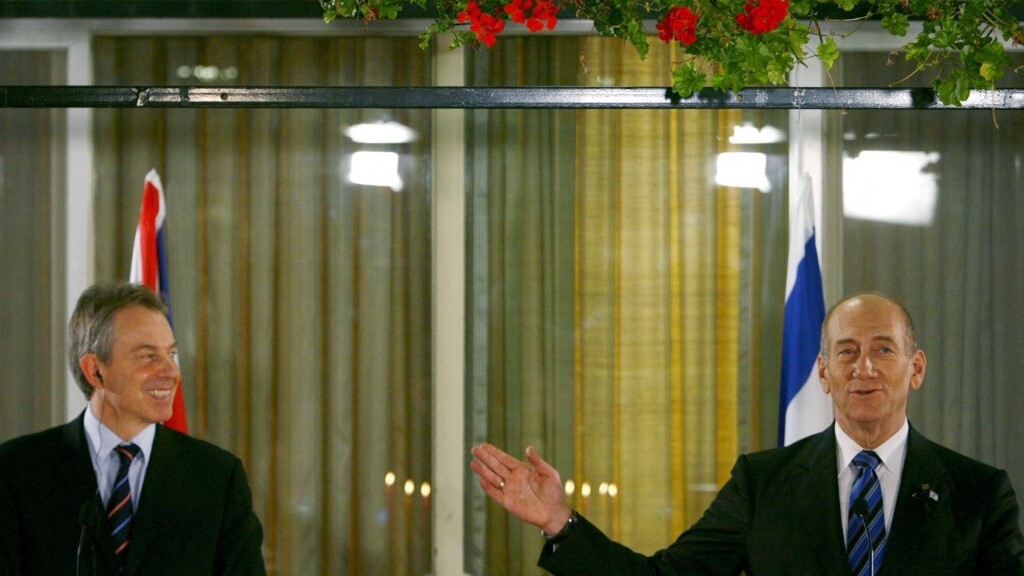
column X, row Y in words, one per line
column 917, row 51
column 638, row 38
column 687, row 79
column 330, row 14
column 828, row 52
column 992, row 72
column 896, row 24
column 994, row 61
column 955, row 88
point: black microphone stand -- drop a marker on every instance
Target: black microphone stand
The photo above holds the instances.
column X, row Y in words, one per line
column 89, row 517
column 860, row 510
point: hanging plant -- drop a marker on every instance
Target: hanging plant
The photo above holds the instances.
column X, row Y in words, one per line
column 740, row 43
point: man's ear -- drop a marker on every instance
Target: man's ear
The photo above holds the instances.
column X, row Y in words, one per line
column 918, row 365
column 91, row 367
column 823, row 375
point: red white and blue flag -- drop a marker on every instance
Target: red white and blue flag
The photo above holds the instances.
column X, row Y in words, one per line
column 149, row 267
column 803, row 408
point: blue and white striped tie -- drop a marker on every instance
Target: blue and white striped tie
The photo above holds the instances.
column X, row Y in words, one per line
column 867, row 518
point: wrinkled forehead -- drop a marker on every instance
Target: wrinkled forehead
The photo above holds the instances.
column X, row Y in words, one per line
column 867, row 318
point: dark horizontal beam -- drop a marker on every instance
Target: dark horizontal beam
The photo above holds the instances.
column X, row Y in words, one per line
column 461, row 97
column 108, row 9
column 271, row 9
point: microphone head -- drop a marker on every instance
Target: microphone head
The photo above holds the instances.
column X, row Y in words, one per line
column 859, row 508
column 89, row 515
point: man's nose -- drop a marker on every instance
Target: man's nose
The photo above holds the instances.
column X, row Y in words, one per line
column 169, row 367
column 863, row 366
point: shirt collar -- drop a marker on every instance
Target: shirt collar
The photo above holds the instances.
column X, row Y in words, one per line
column 890, row 452
column 102, row 440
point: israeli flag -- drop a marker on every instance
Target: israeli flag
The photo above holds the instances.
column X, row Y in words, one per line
column 803, row 408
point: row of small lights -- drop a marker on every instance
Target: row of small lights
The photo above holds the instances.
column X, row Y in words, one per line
column 409, row 487
column 604, row 489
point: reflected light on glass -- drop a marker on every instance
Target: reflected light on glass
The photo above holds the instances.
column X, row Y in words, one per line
column 389, row 132
column 890, row 186
column 389, row 479
column 370, row 168
column 409, row 487
column 207, row 73
column 747, row 133
column 425, row 490
column 570, row 487
column 585, row 490
column 742, row 170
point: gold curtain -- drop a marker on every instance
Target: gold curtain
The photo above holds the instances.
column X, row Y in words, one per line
column 657, row 297
column 658, row 280
column 301, row 301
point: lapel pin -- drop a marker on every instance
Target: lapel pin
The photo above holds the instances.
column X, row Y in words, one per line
column 926, row 490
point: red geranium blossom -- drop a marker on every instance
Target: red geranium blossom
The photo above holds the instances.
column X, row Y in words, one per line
column 679, row 23
column 484, row 25
column 541, row 13
column 762, row 16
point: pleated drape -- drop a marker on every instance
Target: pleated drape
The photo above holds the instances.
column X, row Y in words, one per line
column 959, row 272
column 33, row 173
column 665, row 271
column 301, row 301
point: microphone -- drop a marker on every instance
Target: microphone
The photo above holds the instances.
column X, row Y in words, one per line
column 860, row 510
column 89, row 518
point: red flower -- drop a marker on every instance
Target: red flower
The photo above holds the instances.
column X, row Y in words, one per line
column 762, row 16
column 484, row 25
column 679, row 23
column 516, row 10
column 541, row 13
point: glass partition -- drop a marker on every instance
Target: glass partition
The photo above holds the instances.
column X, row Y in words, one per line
column 625, row 278
column 628, row 272
column 933, row 206
column 32, row 188
column 300, row 249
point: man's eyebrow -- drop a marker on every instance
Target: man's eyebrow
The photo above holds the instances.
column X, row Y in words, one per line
column 873, row 339
column 148, row 347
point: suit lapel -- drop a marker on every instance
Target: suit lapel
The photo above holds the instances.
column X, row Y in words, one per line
column 813, row 482
column 82, row 485
column 161, row 484
column 924, row 487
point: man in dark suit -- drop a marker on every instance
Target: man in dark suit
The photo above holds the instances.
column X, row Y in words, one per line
column 869, row 495
column 113, row 491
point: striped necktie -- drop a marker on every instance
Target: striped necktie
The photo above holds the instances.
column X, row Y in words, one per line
column 867, row 518
column 119, row 507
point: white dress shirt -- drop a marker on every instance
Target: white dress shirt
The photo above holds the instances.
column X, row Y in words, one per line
column 102, row 442
column 892, row 452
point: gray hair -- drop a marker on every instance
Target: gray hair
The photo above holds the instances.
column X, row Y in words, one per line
column 91, row 329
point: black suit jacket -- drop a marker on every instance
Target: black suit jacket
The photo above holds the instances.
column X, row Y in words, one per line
column 194, row 517
column 779, row 515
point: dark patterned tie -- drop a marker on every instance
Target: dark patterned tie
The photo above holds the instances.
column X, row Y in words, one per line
column 119, row 507
column 867, row 517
